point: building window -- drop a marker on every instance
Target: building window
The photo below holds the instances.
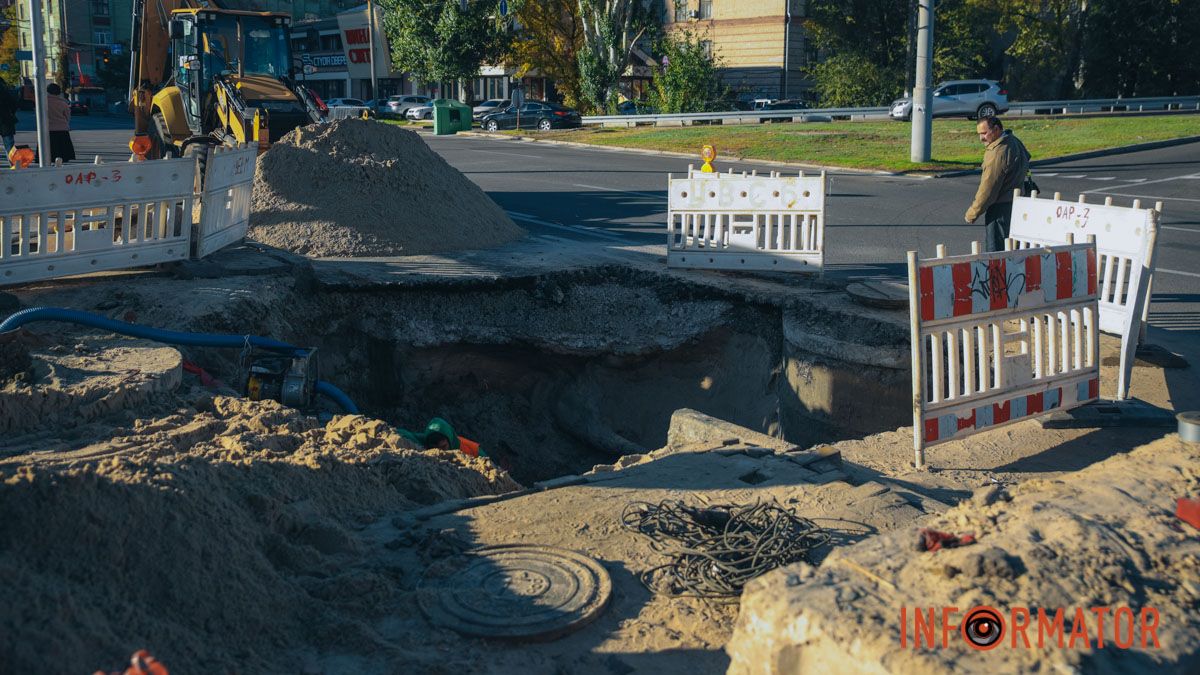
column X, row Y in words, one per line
column 681, row 11
column 331, row 43
column 100, row 7
column 102, row 37
column 706, row 48
column 705, row 9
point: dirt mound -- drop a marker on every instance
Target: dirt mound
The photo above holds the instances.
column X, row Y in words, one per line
column 361, row 188
column 221, row 538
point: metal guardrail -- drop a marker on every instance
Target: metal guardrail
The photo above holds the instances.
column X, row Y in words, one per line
column 828, row 114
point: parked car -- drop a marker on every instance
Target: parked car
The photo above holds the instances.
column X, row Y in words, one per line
column 786, row 104
column 400, row 104
column 636, row 108
column 344, row 103
column 489, row 106
column 421, row 112
column 966, row 98
column 379, row 107
column 79, row 108
column 533, row 115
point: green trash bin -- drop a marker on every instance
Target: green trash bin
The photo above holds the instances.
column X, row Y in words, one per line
column 450, row 117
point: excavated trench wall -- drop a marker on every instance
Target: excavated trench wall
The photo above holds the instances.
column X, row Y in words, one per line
column 556, row 373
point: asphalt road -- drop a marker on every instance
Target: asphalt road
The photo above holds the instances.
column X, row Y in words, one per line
column 614, row 198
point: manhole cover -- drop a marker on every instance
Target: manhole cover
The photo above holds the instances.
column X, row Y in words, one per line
column 515, row 591
column 882, row 294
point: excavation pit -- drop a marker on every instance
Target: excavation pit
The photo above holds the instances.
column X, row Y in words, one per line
column 556, row 373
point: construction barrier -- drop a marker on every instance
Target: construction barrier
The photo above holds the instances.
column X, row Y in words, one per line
column 59, row 221
column 1000, row 337
column 1125, row 243
column 225, row 202
column 746, row 222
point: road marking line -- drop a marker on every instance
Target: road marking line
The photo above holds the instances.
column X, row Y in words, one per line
column 513, row 154
column 1180, row 229
column 1149, row 182
column 578, row 229
column 1045, row 174
column 1077, row 175
column 1154, row 197
column 1186, row 274
column 1101, row 178
column 661, row 197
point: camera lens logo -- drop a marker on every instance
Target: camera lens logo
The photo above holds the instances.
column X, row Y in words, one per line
column 983, row 628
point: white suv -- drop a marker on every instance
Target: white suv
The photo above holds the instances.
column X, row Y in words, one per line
column 967, row 98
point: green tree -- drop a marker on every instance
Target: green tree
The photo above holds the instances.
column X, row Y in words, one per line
column 689, row 80
column 848, row 79
column 549, row 41
column 866, row 41
column 611, row 29
column 443, row 40
column 1140, row 48
column 8, row 48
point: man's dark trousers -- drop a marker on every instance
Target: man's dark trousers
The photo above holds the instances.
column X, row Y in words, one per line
column 998, row 219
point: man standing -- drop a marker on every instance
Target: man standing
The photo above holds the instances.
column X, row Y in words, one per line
column 1005, row 164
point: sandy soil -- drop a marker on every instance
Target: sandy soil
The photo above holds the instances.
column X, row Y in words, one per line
column 360, row 188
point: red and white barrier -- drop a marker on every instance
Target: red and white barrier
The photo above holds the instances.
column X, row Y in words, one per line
column 1000, row 337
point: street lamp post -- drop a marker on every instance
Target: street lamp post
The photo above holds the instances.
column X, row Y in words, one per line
column 38, row 52
column 922, row 100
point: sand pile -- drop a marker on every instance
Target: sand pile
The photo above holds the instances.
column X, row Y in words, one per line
column 360, row 188
column 225, row 537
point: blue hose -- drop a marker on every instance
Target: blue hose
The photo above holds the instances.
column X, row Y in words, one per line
column 172, row 337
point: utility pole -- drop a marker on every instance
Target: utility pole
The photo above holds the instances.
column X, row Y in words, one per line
column 371, row 40
column 922, row 98
column 38, row 49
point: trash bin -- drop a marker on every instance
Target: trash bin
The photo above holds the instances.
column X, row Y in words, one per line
column 450, row 116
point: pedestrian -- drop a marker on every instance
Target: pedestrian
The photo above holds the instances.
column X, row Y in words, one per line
column 58, row 118
column 8, row 118
column 1005, row 166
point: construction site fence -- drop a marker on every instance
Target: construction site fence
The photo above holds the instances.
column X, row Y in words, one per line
column 1057, row 107
column 1125, row 239
column 768, row 222
column 225, row 201
column 80, row 218
column 1001, row 337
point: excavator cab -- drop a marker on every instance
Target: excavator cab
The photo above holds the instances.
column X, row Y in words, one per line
column 222, row 77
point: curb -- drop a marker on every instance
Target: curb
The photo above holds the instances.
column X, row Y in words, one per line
column 1091, row 154
column 684, row 155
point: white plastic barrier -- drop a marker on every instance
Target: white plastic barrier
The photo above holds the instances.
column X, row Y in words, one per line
column 225, row 203
column 1125, row 243
column 747, row 222
column 1000, row 337
column 59, row 221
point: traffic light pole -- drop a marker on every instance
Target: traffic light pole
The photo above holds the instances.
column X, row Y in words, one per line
column 922, row 100
column 38, row 49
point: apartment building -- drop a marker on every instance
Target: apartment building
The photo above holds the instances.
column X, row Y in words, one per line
column 760, row 44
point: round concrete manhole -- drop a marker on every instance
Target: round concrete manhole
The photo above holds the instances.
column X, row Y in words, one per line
column 881, row 294
column 515, row 591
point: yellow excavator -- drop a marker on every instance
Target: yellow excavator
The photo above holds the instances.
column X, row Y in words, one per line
column 203, row 76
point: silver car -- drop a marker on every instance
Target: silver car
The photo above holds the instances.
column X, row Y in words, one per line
column 960, row 98
column 421, row 112
column 400, row 104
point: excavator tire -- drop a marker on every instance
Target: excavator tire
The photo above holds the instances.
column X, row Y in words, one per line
column 160, row 133
column 200, row 152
